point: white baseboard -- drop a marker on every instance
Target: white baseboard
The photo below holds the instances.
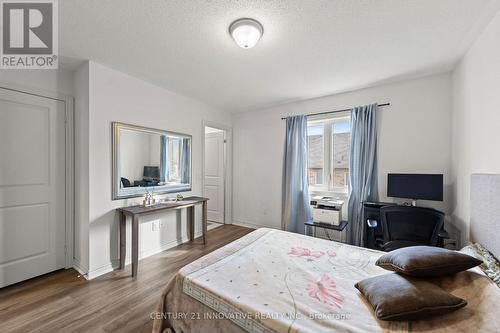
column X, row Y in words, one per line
column 251, row 225
column 100, row 271
column 214, row 225
column 80, row 268
column 115, row 264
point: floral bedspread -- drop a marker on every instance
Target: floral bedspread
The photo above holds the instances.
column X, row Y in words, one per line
column 275, row 281
column 284, row 282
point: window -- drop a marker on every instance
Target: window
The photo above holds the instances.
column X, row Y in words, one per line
column 315, row 152
column 174, row 170
column 341, row 152
column 328, row 149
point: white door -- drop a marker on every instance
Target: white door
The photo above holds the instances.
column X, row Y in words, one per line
column 32, row 186
column 214, row 175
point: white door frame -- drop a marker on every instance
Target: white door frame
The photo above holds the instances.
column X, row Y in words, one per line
column 70, row 161
column 228, row 166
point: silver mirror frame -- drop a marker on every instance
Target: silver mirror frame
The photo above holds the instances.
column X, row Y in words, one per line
column 121, row 193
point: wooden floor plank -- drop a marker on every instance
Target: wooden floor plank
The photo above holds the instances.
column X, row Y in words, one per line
column 63, row 301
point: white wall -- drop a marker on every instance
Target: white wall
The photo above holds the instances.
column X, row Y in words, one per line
column 154, row 151
column 476, row 118
column 58, row 81
column 135, row 153
column 115, row 96
column 414, row 136
column 81, row 241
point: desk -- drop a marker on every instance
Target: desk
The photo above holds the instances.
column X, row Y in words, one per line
column 337, row 228
column 146, row 183
column 136, row 211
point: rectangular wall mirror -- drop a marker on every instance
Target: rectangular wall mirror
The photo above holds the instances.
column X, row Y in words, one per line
column 146, row 159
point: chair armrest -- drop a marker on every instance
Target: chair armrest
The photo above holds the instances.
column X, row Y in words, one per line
column 443, row 234
column 397, row 244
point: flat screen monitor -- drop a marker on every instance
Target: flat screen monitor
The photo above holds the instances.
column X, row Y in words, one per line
column 151, row 172
column 415, row 186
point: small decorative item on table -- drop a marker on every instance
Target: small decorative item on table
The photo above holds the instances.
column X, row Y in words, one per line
column 149, row 200
column 179, row 197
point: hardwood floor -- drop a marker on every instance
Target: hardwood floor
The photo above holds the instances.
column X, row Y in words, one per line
column 65, row 302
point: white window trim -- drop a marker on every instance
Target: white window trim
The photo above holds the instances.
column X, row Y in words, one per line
column 328, row 160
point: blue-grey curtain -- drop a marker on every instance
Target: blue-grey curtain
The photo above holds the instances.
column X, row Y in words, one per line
column 163, row 158
column 185, row 167
column 363, row 183
column 295, row 196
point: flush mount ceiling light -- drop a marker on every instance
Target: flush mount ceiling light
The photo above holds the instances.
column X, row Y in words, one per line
column 246, row 32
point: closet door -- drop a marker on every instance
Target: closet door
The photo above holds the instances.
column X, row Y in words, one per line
column 32, row 186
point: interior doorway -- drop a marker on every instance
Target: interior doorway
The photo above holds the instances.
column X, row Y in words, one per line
column 215, row 174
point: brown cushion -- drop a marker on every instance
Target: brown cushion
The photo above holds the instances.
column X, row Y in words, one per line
column 397, row 297
column 426, row 261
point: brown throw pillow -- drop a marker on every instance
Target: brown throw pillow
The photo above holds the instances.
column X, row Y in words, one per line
column 396, row 297
column 426, row 261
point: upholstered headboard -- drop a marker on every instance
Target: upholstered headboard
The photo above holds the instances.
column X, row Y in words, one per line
column 485, row 211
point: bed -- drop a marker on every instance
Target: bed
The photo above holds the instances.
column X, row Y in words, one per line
column 275, row 281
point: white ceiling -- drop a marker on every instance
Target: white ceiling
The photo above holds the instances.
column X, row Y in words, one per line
column 310, row 48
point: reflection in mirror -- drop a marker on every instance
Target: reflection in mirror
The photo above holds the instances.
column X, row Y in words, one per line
column 147, row 159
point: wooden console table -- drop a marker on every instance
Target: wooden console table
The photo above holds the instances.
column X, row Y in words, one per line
column 136, row 211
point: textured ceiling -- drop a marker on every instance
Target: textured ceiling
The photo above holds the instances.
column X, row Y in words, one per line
column 310, row 48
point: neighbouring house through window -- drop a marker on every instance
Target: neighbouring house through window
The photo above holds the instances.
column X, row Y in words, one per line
column 328, row 149
column 174, row 160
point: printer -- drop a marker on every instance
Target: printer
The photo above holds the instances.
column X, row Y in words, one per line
column 326, row 210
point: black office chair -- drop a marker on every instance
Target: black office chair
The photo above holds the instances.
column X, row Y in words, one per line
column 125, row 182
column 405, row 226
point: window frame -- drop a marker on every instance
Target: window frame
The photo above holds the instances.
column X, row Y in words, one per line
column 328, row 155
column 176, row 156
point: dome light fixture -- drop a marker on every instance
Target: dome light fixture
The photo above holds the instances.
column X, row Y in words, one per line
column 246, row 32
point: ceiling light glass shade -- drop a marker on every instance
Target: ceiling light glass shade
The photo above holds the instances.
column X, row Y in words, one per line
column 246, row 32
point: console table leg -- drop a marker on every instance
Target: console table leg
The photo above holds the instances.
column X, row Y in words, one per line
column 205, row 222
column 135, row 245
column 123, row 239
column 190, row 220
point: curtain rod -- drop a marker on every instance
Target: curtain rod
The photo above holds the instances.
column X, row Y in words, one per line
column 335, row 111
